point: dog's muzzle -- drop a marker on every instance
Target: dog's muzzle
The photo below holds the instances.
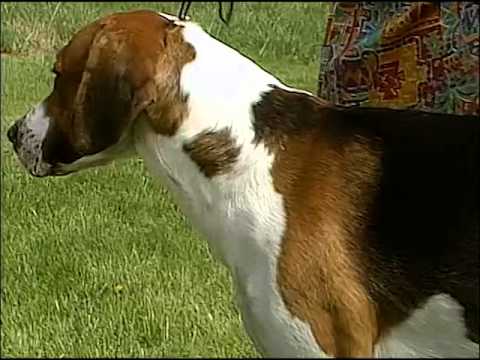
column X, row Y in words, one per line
column 12, row 133
column 27, row 135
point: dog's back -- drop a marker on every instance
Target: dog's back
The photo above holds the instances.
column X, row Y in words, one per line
column 400, row 187
column 423, row 229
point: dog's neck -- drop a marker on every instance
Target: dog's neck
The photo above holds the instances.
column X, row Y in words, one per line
column 221, row 85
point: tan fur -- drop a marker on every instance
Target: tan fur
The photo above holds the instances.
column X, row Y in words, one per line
column 362, row 250
column 321, row 180
column 126, row 64
column 318, row 275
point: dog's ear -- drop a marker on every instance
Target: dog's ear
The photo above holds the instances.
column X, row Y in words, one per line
column 115, row 87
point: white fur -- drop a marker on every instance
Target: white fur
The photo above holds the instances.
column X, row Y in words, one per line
column 240, row 214
column 174, row 18
column 435, row 330
column 31, row 133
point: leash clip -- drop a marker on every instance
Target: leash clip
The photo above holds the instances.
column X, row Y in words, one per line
column 185, row 6
column 182, row 14
column 229, row 14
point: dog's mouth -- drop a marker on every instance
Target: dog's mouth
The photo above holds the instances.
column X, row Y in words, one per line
column 54, row 171
column 59, row 171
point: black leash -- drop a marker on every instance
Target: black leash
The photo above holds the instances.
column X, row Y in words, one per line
column 182, row 14
column 229, row 14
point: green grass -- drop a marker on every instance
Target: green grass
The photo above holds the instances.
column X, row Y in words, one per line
column 102, row 263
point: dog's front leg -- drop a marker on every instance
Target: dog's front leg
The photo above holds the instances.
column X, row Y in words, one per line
column 270, row 326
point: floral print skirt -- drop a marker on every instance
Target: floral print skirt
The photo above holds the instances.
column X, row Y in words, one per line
column 421, row 55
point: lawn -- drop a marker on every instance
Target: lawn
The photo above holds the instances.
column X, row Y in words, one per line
column 102, row 263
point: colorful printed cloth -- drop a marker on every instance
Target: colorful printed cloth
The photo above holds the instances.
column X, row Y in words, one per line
column 402, row 55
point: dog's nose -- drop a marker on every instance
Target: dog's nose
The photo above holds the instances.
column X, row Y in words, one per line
column 12, row 133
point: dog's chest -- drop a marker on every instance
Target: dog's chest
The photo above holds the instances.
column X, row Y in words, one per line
column 243, row 219
column 240, row 214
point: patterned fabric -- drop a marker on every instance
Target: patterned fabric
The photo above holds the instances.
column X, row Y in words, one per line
column 402, row 55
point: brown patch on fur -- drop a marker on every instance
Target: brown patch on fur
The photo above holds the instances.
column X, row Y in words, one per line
column 214, row 152
column 359, row 254
column 170, row 107
column 318, row 272
column 109, row 73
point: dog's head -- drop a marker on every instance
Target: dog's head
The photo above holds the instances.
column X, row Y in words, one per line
column 105, row 77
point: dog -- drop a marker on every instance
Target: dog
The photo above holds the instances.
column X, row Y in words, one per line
column 347, row 231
